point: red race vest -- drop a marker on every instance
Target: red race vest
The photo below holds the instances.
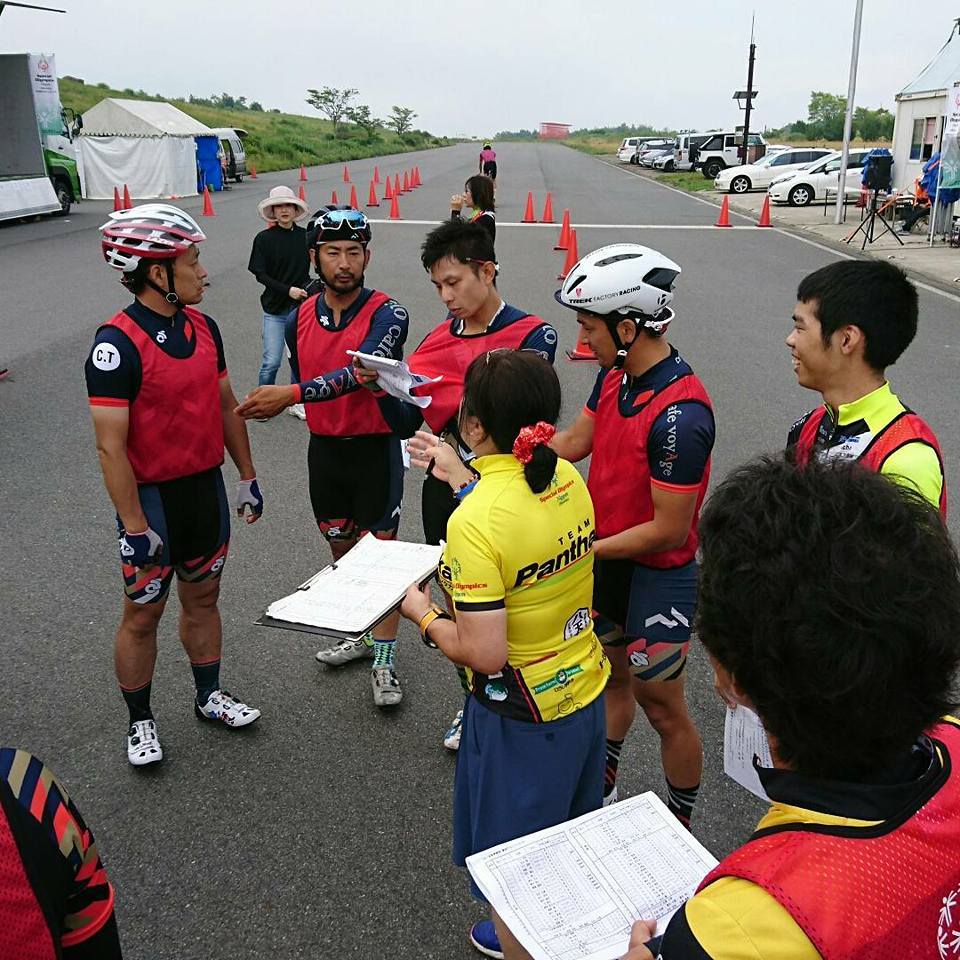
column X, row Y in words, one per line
column 867, row 893
column 176, row 428
column 320, row 350
column 904, row 429
column 24, row 933
column 444, row 354
column 619, row 478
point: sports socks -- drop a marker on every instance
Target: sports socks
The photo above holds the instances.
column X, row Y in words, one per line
column 138, row 702
column 384, row 653
column 613, row 762
column 207, row 678
column 680, row 802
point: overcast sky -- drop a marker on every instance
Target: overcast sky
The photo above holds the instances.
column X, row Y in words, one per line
column 479, row 67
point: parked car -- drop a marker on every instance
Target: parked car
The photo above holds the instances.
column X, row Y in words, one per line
column 777, row 148
column 649, row 157
column 628, row 147
column 233, row 157
column 686, row 148
column 809, row 184
column 666, row 162
column 770, row 167
column 722, row 150
column 648, row 145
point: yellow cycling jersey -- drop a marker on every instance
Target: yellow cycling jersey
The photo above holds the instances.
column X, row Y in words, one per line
column 531, row 553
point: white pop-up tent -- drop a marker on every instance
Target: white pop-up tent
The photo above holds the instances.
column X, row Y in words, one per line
column 150, row 147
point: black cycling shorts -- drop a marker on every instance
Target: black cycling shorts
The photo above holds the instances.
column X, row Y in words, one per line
column 192, row 517
column 490, row 169
column 356, row 485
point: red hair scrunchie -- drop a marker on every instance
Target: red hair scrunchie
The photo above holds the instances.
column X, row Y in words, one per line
column 530, row 437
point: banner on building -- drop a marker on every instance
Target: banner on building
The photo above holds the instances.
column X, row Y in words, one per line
column 46, row 94
column 950, row 154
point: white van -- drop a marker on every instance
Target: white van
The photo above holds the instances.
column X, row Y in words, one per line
column 685, row 145
column 628, row 147
column 806, row 186
column 233, row 158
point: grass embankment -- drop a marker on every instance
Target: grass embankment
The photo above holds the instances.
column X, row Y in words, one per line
column 276, row 141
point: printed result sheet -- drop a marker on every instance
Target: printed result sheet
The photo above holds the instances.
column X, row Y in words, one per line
column 396, row 377
column 744, row 738
column 370, row 580
column 573, row 892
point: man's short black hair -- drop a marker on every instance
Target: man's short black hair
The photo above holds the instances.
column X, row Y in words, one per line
column 467, row 242
column 832, row 595
column 136, row 280
column 873, row 295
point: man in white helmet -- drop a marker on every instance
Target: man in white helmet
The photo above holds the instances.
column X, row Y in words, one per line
column 162, row 409
column 649, row 427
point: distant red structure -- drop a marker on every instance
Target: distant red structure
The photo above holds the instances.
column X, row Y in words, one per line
column 554, row 131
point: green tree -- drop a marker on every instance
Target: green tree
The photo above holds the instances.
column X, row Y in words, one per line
column 331, row 102
column 826, row 113
column 364, row 119
column 873, row 124
column 401, row 119
column 256, row 105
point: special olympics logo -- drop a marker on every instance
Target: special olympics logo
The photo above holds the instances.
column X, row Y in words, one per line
column 948, row 926
column 43, row 65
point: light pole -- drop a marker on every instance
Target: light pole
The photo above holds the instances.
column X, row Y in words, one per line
column 848, row 118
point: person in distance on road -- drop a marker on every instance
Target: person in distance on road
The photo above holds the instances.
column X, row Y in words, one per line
column 488, row 161
column 829, row 604
column 354, row 460
column 518, row 566
column 57, row 899
column 650, row 429
column 853, row 319
column 460, row 260
column 279, row 261
column 478, row 197
column 163, row 410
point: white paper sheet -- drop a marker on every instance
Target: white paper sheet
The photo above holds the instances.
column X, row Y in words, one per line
column 744, row 738
column 396, row 378
column 573, row 892
column 367, row 583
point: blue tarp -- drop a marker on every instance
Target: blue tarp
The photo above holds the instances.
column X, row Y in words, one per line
column 209, row 172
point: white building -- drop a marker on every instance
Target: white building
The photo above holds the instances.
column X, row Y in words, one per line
column 921, row 106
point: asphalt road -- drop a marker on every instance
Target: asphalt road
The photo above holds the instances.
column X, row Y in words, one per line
column 323, row 831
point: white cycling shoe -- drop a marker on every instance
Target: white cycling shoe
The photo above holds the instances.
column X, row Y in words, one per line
column 143, row 743
column 222, row 707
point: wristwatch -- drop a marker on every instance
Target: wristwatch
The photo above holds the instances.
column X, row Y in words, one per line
column 433, row 613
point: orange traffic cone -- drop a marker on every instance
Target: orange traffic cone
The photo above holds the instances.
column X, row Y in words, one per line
column 208, row 210
column 406, row 182
column 303, row 194
column 388, row 191
column 353, row 197
column 373, row 200
column 127, row 202
column 396, row 185
column 376, row 175
column 547, row 210
column 528, row 214
column 334, row 200
column 253, row 171
column 303, row 172
column 563, row 240
column 346, row 174
column 572, row 255
column 724, row 219
column 117, row 202
column 582, row 351
column 764, row 220
column 395, row 207
column 416, row 176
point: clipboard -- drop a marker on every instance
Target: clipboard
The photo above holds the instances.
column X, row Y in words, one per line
column 346, row 599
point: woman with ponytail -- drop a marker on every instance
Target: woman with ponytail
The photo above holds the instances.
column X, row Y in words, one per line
column 518, row 565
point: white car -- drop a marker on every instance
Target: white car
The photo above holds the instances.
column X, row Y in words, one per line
column 803, row 187
column 627, row 148
column 770, row 167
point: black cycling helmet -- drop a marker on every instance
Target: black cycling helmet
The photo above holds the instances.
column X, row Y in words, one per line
column 338, row 222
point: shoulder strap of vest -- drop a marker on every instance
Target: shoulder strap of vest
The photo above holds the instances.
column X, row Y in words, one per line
column 374, row 302
column 807, row 437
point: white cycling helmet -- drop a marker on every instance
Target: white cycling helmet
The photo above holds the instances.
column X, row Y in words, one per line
column 155, row 230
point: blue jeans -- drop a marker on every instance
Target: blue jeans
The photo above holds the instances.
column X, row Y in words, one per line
column 273, row 344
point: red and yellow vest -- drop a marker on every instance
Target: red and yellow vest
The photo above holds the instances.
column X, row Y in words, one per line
column 175, row 428
column 877, row 892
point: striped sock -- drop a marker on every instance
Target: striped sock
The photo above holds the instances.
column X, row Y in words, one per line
column 680, row 801
column 384, row 652
column 613, row 762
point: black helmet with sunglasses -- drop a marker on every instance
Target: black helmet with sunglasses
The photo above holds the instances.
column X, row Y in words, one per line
column 336, row 222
